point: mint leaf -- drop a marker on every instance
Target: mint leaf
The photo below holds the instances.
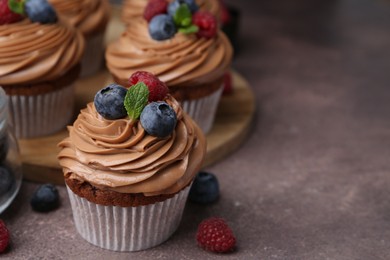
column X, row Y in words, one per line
column 136, row 99
column 183, row 16
column 190, row 29
column 16, row 6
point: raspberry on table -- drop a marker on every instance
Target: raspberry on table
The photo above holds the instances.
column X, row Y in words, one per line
column 207, row 24
column 6, row 15
column 4, row 236
column 157, row 89
column 215, row 235
column 155, row 7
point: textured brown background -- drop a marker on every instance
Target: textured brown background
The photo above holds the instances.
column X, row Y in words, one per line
column 313, row 179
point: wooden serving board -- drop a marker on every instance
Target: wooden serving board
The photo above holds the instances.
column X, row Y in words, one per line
column 233, row 120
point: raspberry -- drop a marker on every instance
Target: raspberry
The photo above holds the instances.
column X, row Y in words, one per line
column 157, row 89
column 4, row 236
column 227, row 84
column 215, row 235
column 207, row 24
column 6, row 15
column 225, row 15
column 155, row 7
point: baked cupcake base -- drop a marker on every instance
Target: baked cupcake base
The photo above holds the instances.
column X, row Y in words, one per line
column 127, row 228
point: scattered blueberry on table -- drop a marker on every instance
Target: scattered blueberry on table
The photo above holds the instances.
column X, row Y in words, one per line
column 205, row 188
column 45, row 198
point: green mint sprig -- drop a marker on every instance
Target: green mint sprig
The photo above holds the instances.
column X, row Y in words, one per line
column 190, row 29
column 17, row 6
column 183, row 20
column 136, row 99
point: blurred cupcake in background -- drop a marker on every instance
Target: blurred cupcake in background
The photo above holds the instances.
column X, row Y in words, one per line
column 91, row 18
column 185, row 48
column 39, row 62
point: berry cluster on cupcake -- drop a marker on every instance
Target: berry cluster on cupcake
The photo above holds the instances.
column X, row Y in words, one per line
column 183, row 16
column 143, row 101
column 39, row 11
column 42, row 55
column 133, row 9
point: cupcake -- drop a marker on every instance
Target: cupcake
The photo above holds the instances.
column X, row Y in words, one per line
column 39, row 62
column 91, row 18
column 188, row 52
column 135, row 8
column 128, row 165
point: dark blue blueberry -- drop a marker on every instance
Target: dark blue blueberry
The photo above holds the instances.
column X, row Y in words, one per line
column 6, row 179
column 205, row 188
column 162, row 27
column 109, row 102
column 40, row 11
column 45, row 198
column 3, row 148
column 172, row 7
column 158, row 119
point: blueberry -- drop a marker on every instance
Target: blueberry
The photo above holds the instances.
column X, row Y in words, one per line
column 205, row 188
column 109, row 102
column 158, row 119
column 40, row 11
column 45, row 198
column 172, row 7
column 3, row 148
column 162, row 27
column 6, row 179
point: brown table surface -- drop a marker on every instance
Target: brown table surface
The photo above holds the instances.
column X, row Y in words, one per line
column 312, row 181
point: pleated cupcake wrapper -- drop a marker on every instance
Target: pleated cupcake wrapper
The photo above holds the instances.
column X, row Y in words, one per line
column 43, row 114
column 127, row 228
column 92, row 60
column 203, row 110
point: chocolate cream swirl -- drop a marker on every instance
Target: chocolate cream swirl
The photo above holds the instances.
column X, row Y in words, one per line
column 119, row 155
column 182, row 61
column 88, row 16
column 135, row 8
column 34, row 52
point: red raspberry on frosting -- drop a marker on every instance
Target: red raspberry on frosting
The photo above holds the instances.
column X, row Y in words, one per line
column 4, row 237
column 157, row 89
column 155, row 7
column 207, row 24
column 215, row 235
column 6, row 15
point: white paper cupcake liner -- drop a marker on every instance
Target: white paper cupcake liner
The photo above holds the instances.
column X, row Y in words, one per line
column 127, row 228
column 44, row 114
column 92, row 60
column 203, row 110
